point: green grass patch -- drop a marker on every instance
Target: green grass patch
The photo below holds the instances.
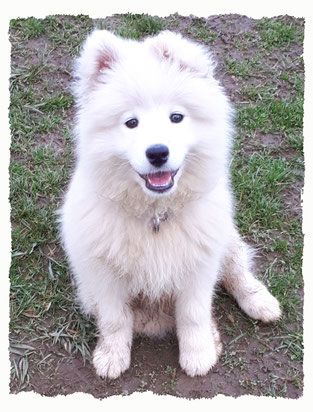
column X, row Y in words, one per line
column 135, row 26
column 278, row 34
column 54, row 104
column 295, row 141
column 275, row 116
column 259, row 180
column 241, row 68
column 28, row 75
column 201, row 31
column 244, row 41
column 29, row 28
column 68, row 32
column 259, row 92
column 65, row 31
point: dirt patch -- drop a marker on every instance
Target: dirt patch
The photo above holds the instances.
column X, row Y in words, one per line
column 246, row 366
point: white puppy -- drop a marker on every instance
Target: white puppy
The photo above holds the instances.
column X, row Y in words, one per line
column 147, row 221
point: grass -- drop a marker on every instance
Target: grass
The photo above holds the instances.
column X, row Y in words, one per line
column 30, row 27
column 259, row 184
column 201, row 31
column 277, row 34
column 275, row 116
column 134, row 26
column 267, row 170
column 242, row 68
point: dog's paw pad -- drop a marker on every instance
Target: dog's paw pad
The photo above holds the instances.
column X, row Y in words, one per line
column 111, row 362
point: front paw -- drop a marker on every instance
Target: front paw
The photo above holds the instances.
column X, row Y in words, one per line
column 198, row 361
column 110, row 361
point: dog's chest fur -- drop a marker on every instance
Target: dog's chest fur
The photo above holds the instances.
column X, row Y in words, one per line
column 153, row 261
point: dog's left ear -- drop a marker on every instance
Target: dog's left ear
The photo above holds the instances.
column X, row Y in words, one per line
column 172, row 47
column 100, row 52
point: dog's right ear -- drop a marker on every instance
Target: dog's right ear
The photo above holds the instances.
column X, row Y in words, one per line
column 100, row 52
column 173, row 48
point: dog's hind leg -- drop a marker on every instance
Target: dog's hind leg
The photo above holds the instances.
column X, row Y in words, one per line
column 251, row 295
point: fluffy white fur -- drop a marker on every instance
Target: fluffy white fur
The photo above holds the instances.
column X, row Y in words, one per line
column 130, row 277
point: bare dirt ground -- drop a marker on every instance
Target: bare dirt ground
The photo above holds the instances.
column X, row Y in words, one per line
column 252, row 361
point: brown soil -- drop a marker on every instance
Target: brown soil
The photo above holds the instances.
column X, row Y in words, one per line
column 249, row 368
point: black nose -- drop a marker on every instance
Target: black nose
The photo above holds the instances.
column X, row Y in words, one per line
column 157, row 154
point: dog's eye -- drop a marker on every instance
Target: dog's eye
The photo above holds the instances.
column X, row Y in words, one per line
column 176, row 117
column 132, row 123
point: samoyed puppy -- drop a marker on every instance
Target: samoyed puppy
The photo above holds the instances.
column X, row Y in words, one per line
column 147, row 221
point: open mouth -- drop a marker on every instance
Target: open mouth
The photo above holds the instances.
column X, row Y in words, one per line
column 159, row 181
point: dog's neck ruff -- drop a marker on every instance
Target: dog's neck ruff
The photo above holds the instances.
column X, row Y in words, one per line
column 135, row 204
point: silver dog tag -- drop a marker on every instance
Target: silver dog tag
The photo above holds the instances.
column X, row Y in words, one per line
column 156, row 224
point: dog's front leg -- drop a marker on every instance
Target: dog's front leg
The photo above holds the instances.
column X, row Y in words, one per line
column 115, row 322
column 199, row 345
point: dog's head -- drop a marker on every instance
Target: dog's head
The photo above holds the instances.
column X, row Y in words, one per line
column 154, row 107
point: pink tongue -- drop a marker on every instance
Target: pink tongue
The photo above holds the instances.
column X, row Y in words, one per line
column 160, row 178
